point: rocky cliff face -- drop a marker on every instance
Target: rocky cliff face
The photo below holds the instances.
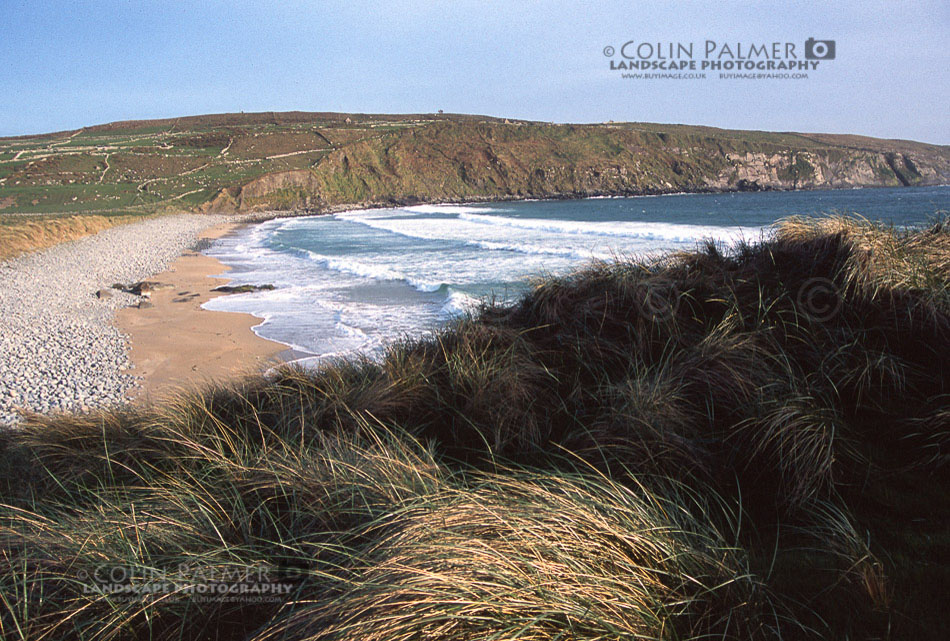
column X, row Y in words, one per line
column 296, row 189
column 831, row 169
column 451, row 161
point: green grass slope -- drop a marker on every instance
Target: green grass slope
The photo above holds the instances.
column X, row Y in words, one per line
column 740, row 446
column 319, row 161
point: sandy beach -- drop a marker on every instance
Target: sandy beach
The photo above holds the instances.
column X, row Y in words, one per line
column 175, row 344
column 60, row 349
column 71, row 341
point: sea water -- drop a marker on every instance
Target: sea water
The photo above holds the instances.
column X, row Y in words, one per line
column 355, row 281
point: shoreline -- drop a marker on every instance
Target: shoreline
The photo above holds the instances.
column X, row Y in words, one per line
column 276, row 216
column 60, row 349
column 266, row 215
column 175, row 344
column 270, row 215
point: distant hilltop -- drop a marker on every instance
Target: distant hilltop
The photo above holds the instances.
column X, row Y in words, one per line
column 303, row 161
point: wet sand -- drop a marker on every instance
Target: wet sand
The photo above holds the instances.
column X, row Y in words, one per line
column 176, row 344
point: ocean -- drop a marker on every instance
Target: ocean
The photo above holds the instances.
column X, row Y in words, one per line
column 354, row 281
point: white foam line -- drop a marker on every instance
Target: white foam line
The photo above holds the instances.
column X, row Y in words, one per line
column 374, row 272
column 459, row 303
column 447, row 209
column 665, row 232
column 643, row 230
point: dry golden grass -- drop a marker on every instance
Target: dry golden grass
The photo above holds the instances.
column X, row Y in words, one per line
column 885, row 257
column 22, row 234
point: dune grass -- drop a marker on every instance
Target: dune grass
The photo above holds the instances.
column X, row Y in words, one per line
column 738, row 445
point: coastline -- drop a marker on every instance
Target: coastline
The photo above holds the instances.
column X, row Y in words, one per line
column 264, row 215
column 278, row 329
column 175, row 344
column 62, row 348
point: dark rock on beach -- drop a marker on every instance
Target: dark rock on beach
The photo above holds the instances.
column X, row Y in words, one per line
column 242, row 289
column 145, row 287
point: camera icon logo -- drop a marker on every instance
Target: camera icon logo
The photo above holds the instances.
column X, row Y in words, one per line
column 819, row 49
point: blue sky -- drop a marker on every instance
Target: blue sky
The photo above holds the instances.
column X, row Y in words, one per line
column 68, row 64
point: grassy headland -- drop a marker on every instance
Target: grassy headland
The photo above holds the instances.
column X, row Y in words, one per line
column 708, row 445
column 319, row 162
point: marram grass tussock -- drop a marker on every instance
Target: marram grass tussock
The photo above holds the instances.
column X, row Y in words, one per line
column 732, row 444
